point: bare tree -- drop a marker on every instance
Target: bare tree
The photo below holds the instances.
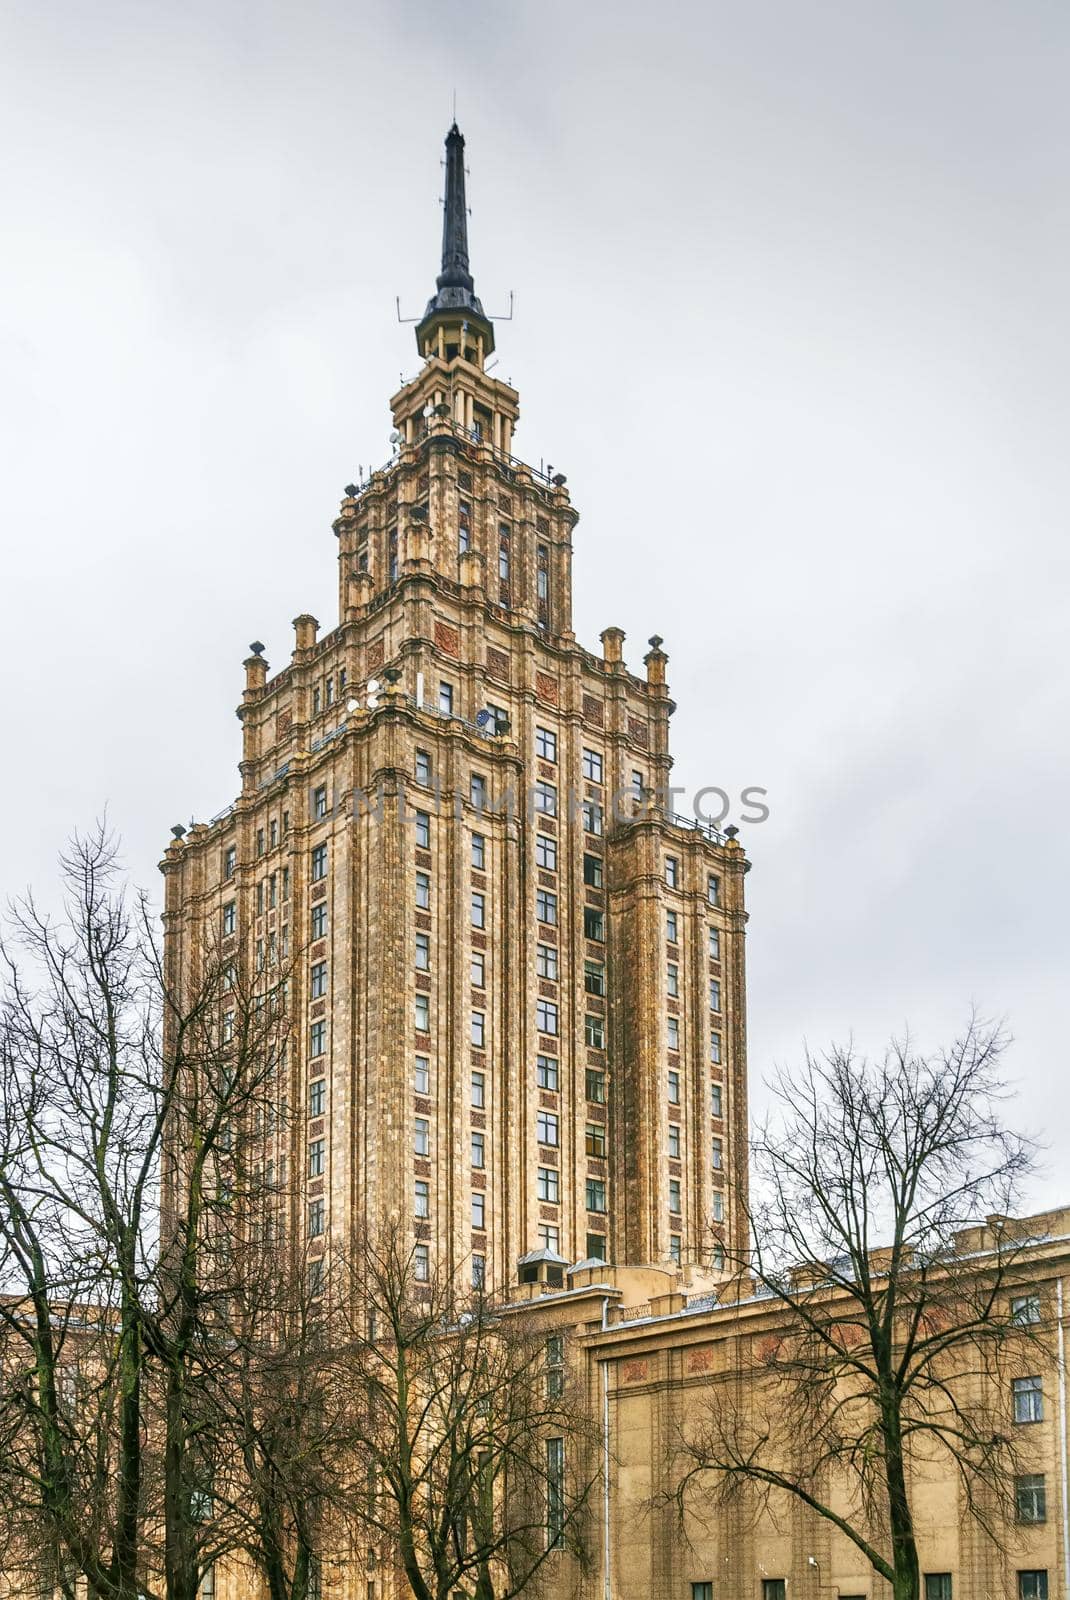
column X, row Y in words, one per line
column 108, row 1320
column 281, row 1420
column 475, row 1452
column 893, row 1329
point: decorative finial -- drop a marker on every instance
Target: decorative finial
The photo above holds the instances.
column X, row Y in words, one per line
column 257, row 648
column 178, row 830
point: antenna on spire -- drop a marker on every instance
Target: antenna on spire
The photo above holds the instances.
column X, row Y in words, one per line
column 454, row 105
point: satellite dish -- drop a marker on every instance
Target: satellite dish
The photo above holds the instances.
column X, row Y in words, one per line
column 352, row 705
column 395, row 437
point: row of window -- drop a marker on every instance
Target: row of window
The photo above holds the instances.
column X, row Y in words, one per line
column 547, row 1127
column 1032, row 1585
column 323, row 694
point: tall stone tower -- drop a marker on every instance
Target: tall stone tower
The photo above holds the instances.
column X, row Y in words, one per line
column 518, row 999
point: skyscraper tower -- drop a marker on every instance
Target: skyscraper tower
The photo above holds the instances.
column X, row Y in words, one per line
column 518, row 995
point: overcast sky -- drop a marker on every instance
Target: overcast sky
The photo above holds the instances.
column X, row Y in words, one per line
column 791, row 312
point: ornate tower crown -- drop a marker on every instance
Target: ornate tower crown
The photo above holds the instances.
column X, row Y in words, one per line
column 454, row 323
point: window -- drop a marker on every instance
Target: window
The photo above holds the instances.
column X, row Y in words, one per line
column 317, row 1158
column 464, row 528
column 672, row 927
column 477, row 790
column 1033, row 1585
column 774, row 1589
column 674, row 1141
column 592, row 766
column 555, row 1365
column 1025, row 1308
column 230, row 917
column 329, row 691
column 319, row 801
column 718, row 1206
column 545, row 744
column 317, row 700
column 594, row 977
column 479, row 1210
column 479, row 1029
column 421, row 1013
column 316, row 1218
column 674, row 980
column 1030, row 1499
column 421, row 1263
column 717, row 1155
column 273, row 898
column 592, row 871
column 546, row 1016
column 546, row 961
column 423, row 767
column 546, row 907
column 546, row 1072
column 479, row 1271
column 445, row 698
column 423, row 830
column 715, row 1047
column 596, row 1246
column 423, row 891
column 421, row 1075
column 546, row 852
column 260, row 898
column 555, row 1493
column 479, row 852
column 1028, row 1399
column 675, row 1248
column 230, row 861
column 423, row 952
column 319, row 863
column 594, row 1139
column 479, row 1150
column 286, row 879
column 421, row 1143
column 594, row 1032
column 260, row 841
column 594, row 924
column 546, row 1128
column 317, row 1097
column 674, row 1196
column 702, row 1591
column 547, row 1184
column 318, row 1038
column 479, row 909
column 715, row 944
column 713, row 890
column 715, row 995
column 421, row 1200
column 596, row 1194
column 503, row 565
column 596, row 1086
column 549, row 1236
column 716, row 1099
column 545, row 797
column 592, row 817
column 674, row 1088
column 318, row 986
column 672, row 1028
column 477, row 970
column 672, row 872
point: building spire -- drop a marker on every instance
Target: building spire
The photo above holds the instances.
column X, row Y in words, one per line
column 455, row 273
column 454, row 299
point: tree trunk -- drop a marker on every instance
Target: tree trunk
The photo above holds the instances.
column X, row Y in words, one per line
column 906, row 1584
